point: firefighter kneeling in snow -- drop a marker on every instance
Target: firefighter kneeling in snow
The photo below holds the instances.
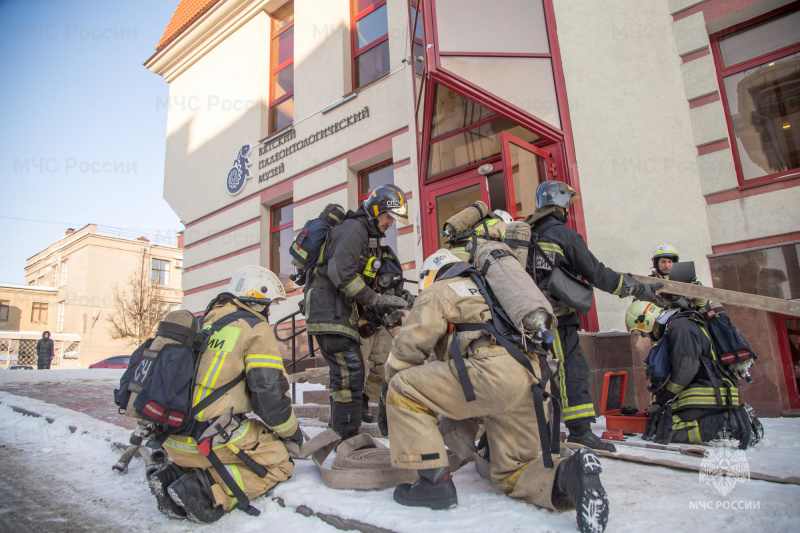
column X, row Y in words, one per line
column 697, row 398
column 244, row 352
column 417, row 393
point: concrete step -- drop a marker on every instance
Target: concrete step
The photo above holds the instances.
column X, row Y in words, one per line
column 321, row 397
column 323, row 412
column 371, row 429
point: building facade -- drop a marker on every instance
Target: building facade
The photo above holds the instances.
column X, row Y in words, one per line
column 675, row 119
column 79, row 273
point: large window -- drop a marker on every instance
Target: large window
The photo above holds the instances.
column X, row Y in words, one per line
column 370, row 26
column 159, row 273
column 60, row 322
column 759, row 71
column 368, row 180
column 417, row 43
column 39, row 313
column 4, row 307
column 281, row 90
column 64, row 272
column 281, row 233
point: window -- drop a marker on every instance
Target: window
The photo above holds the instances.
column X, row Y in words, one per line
column 370, row 27
column 60, row 323
column 759, row 72
column 54, row 276
column 368, row 180
column 40, row 281
column 39, row 313
column 281, row 90
column 281, row 233
column 159, row 274
column 64, row 272
column 4, row 307
column 417, row 43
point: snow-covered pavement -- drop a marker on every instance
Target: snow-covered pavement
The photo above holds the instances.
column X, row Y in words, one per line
column 57, row 480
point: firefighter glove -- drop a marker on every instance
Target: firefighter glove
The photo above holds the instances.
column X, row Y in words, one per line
column 408, row 297
column 297, row 438
column 386, row 300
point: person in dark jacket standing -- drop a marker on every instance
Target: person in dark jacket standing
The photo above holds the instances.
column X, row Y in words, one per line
column 338, row 294
column 554, row 245
column 45, row 351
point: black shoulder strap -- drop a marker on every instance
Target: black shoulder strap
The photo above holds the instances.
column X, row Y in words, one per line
column 242, row 501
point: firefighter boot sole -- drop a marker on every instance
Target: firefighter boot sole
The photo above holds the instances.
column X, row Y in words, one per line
column 196, row 499
column 159, row 481
column 422, row 493
column 758, row 429
column 587, row 493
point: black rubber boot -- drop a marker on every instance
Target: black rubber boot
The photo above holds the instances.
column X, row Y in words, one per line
column 746, row 426
column 434, row 489
column 582, row 434
column 346, row 418
column 159, row 481
column 366, row 416
column 579, row 478
column 193, row 493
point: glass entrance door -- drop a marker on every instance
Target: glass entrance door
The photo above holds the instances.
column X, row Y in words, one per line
column 525, row 167
column 446, row 200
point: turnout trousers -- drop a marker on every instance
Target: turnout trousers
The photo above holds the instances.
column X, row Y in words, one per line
column 505, row 401
column 573, row 378
column 347, row 371
column 376, row 350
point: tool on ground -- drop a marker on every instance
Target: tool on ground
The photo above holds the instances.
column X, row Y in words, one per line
column 618, row 416
column 694, row 451
column 141, row 432
column 613, row 434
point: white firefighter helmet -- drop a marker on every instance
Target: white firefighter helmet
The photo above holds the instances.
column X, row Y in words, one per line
column 502, row 215
column 254, row 281
column 642, row 316
column 432, row 264
column 666, row 251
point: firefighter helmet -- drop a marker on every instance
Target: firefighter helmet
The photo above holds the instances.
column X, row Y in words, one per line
column 254, row 281
column 642, row 316
column 555, row 193
column 433, row 264
column 664, row 251
column 387, row 199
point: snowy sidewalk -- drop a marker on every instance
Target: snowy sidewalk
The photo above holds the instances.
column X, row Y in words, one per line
column 62, row 481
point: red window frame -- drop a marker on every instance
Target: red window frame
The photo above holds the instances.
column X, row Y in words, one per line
column 415, row 19
column 356, row 51
column 377, row 166
column 275, row 69
column 792, row 391
column 723, row 71
column 277, row 229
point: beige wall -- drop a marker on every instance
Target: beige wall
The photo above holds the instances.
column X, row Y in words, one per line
column 232, row 64
column 20, row 302
column 636, row 158
column 95, row 264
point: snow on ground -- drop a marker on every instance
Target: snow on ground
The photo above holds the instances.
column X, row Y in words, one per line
column 69, row 476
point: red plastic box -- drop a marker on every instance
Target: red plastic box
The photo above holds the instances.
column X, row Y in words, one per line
column 612, row 402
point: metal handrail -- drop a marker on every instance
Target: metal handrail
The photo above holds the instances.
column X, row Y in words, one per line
column 292, row 338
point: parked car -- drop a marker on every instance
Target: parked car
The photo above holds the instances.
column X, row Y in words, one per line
column 118, row 361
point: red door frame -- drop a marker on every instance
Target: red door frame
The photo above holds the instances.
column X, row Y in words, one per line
column 430, row 235
column 506, row 139
column 786, row 360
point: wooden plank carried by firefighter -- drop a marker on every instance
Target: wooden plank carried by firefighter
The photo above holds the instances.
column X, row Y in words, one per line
column 724, row 296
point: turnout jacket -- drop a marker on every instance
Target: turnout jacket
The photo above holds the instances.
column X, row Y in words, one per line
column 246, row 345
column 697, row 380
column 338, row 282
column 566, row 249
column 427, row 327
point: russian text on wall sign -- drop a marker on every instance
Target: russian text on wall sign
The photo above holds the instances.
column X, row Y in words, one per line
column 291, row 135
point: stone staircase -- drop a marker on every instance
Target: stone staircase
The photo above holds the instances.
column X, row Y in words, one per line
column 316, row 410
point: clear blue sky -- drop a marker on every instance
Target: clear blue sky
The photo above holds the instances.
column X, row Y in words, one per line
column 83, row 123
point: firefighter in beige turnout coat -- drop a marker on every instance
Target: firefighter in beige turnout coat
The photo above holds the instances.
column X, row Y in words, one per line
column 418, row 392
column 246, row 345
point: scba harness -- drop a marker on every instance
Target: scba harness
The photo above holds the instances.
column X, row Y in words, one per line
column 509, row 337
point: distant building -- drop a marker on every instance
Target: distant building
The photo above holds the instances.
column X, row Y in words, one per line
column 70, row 287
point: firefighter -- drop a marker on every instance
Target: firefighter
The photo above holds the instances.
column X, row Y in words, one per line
column 375, row 326
column 338, row 294
column 555, row 245
column 664, row 258
column 415, row 393
column 699, row 401
column 190, row 486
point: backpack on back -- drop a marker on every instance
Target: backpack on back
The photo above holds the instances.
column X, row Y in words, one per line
column 306, row 246
column 158, row 383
